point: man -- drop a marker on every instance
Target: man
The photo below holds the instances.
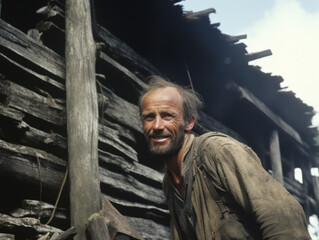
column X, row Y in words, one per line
column 203, row 170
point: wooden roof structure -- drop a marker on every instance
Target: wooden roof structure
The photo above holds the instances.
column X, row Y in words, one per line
column 135, row 39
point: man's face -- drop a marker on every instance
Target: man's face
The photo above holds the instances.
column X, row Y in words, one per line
column 163, row 122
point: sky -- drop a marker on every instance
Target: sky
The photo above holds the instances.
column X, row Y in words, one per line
column 289, row 28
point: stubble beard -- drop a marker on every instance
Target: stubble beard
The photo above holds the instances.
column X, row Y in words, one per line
column 173, row 147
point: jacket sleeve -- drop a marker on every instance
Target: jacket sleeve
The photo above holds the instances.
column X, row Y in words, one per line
column 238, row 170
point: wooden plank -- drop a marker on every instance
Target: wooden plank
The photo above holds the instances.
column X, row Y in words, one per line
column 34, row 208
column 25, row 226
column 54, row 13
column 196, row 15
column 24, row 162
column 6, row 236
column 68, row 234
column 137, row 84
column 30, row 50
column 149, row 229
column 125, row 54
column 143, row 173
column 142, row 210
column 258, row 55
column 82, row 114
column 111, row 138
column 249, row 97
column 32, row 103
column 128, row 114
column 132, row 188
column 109, row 224
column 33, row 76
column 234, row 39
column 52, row 36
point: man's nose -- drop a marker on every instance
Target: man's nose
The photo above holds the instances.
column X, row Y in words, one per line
column 158, row 123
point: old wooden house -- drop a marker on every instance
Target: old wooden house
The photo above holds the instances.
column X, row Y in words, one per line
column 135, row 39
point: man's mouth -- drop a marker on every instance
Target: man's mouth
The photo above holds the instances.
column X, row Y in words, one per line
column 156, row 138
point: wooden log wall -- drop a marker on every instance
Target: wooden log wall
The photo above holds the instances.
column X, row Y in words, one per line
column 33, row 136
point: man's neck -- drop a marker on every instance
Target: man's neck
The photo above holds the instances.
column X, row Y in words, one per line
column 174, row 165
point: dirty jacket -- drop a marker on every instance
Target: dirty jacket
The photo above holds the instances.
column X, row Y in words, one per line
column 264, row 206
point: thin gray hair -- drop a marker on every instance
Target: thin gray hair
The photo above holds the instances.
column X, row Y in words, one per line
column 191, row 99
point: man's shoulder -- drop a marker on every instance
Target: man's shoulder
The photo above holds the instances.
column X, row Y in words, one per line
column 214, row 138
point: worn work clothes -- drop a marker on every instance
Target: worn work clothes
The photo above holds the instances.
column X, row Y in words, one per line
column 263, row 204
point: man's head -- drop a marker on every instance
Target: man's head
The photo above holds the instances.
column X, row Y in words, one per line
column 191, row 100
column 168, row 113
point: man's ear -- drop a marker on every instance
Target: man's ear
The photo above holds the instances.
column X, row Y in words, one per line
column 190, row 123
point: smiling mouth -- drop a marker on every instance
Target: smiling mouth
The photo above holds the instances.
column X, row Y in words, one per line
column 159, row 138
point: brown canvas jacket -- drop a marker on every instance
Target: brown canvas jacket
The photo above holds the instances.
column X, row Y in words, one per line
column 246, row 189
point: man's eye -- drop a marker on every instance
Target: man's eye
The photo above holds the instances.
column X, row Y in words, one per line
column 148, row 118
column 167, row 116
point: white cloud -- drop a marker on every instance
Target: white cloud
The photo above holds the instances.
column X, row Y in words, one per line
column 293, row 36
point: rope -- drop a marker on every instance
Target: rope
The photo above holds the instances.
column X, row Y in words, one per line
column 59, row 195
column 189, row 77
column 40, row 177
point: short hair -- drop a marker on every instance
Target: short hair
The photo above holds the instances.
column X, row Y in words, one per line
column 191, row 99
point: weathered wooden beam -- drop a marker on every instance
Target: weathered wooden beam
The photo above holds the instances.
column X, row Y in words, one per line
column 25, row 226
column 35, row 209
column 176, row 1
column 111, row 135
column 6, row 236
column 52, row 36
column 109, row 224
column 281, row 124
column 296, row 189
column 26, row 163
column 68, row 234
column 315, row 180
column 132, row 188
column 97, row 228
column 0, row 7
column 82, row 114
column 143, row 210
column 149, row 229
column 196, row 15
column 32, row 76
column 54, row 13
column 20, row 44
column 125, row 54
column 29, row 102
column 234, row 39
column 131, row 117
column 275, row 157
column 141, row 172
column 215, row 25
column 111, row 138
column 258, row 55
column 134, row 81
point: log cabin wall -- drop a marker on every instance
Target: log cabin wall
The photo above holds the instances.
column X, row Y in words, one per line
column 135, row 39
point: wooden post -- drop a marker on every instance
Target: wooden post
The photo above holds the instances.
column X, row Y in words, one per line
column 82, row 114
column 315, row 181
column 275, row 157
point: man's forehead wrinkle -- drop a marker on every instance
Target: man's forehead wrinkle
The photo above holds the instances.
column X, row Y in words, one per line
column 159, row 109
